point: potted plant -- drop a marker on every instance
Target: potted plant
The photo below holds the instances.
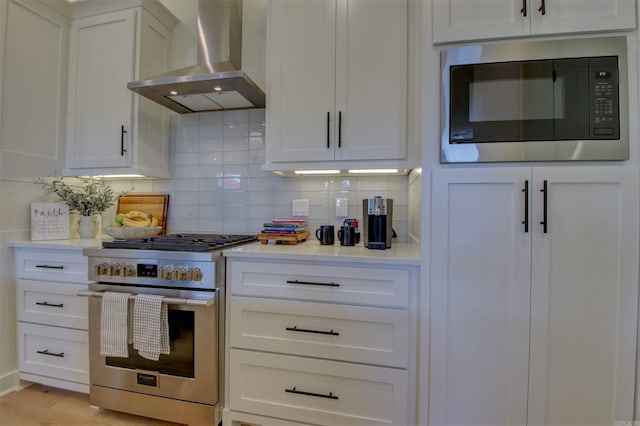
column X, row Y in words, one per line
column 88, row 200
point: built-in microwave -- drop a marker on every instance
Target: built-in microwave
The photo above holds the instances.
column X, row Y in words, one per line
column 559, row 100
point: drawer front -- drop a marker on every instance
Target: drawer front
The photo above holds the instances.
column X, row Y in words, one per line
column 341, row 332
column 52, row 304
column 316, row 282
column 317, row 391
column 51, row 265
column 54, row 352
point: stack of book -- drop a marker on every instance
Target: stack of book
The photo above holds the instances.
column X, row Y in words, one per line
column 285, row 226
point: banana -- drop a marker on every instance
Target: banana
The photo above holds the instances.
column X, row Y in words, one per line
column 136, row 223
column 154, row 221
column 135, row 214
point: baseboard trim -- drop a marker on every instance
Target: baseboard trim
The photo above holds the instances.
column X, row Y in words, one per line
column 10, row 382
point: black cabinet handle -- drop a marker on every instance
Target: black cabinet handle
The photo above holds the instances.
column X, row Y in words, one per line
column 53, row 305
column 122, row 132
column 319, row 395
column 49, row 267
column 332, row 284
column 339, row 129
column 525, row 222
column 524, row 8
column 46, row 352
column 328, row 129
column 544, row 207
column 305, row 330
column 543, row 8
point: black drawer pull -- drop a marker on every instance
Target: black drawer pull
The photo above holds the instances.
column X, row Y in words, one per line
column 53, row 305
column 312, row 283
column 46, row 352
column 305, row 330
column 319, row 395
column 50, row 267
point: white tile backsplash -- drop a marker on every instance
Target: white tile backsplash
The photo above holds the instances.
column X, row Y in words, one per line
column 217, row 184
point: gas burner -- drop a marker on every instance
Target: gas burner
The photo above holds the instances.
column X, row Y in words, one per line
column 181, row 242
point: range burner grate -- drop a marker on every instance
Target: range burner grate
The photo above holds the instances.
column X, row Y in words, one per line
column 181, row 242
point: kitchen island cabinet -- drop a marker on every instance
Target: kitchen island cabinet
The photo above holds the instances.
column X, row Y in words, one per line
column 533, row 295
column 52, row 345
column 468, row 20
column 318, row 338
column 110, row 130
column 337, row 83
column 34, row 37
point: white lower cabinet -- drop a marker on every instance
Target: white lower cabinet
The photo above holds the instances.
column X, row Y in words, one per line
column 311, row 343
column 53, row 347
column 534, row 296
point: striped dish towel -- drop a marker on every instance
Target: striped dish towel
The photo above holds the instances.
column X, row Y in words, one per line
column 150, row 326
column 113, row 325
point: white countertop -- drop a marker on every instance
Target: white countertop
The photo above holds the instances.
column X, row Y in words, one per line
column 78, row 243
column 398, row 254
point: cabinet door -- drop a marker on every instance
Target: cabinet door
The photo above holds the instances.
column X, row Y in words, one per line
column 584, row 296
column 480, row 284
column 371, row 79
column 100, row 105
column 458, row 20
column 301, row 64
column 569, row 16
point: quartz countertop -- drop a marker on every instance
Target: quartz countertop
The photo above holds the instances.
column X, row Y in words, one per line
column 77, row 243
column 398, row 254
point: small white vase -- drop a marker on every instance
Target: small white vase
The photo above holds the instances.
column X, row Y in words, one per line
column 87, row 227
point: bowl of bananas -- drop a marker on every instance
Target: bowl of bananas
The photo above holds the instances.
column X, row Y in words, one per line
column 135, row 224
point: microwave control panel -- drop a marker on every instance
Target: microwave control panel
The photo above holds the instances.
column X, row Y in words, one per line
column 604, row 114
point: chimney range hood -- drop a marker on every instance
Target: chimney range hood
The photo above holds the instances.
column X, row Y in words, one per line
column 217, row 82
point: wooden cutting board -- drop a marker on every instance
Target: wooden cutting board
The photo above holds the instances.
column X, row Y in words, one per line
column 156, row 204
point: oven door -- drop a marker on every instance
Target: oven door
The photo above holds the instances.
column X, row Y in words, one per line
column 189, row 372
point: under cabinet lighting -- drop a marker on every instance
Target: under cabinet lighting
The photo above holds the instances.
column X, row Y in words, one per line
column 375, row 171
column 317, row 172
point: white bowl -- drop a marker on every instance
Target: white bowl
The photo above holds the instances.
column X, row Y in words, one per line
column 120, row 232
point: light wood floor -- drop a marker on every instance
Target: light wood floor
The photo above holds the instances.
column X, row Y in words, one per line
column 40, row 405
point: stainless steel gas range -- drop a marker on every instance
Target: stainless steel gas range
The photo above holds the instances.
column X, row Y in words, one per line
column 188, row 270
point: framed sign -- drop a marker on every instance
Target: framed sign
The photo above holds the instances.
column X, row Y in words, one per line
column 49, row 221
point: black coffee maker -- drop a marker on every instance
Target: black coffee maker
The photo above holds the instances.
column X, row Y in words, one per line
column 377, row 222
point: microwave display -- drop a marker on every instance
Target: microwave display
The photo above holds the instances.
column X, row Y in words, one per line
column 542, row 100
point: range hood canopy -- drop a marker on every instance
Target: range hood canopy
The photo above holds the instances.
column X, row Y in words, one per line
column 217, row 82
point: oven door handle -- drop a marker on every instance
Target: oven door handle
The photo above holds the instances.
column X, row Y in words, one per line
column 168, row 300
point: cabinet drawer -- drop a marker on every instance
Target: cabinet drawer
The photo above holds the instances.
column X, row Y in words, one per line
column 50, row 265
column 363, row 285
column 316, row 391
column 347, row 333
column 52, row 304
column 54, row 352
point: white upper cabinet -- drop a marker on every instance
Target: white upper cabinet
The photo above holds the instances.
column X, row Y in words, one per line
column 111, row 130
column 337, row 75
column 466, row 20
column 33, row 81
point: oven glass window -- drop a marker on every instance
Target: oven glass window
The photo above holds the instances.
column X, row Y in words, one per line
column 180, row 361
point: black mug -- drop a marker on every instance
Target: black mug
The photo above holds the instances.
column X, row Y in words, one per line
column 326, row 235
column 347, row 235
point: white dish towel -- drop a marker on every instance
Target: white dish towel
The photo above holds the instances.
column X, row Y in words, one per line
column 150, row 326
column 113, row 325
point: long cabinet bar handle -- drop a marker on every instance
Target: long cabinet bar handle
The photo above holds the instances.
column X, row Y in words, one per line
column 122, row 149
column 524, row 8
column 46, row 352
column 328, row 129
column 53, row 305
column 543, row 8
column 50, row 266
column 525, row 222
column 306, row 330
column 319, row 395
column 331, row 284
column 545, row 193
column 339, row 129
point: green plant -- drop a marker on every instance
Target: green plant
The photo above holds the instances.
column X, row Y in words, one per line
column 90, row 199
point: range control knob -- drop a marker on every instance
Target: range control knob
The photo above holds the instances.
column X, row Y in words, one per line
column 166, row 273
column 196, row 274
column 181, row 274
column 129, row 270
column 102, row 269
column 115, row 270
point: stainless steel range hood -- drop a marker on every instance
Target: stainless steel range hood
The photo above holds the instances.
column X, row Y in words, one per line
column 218, row 81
